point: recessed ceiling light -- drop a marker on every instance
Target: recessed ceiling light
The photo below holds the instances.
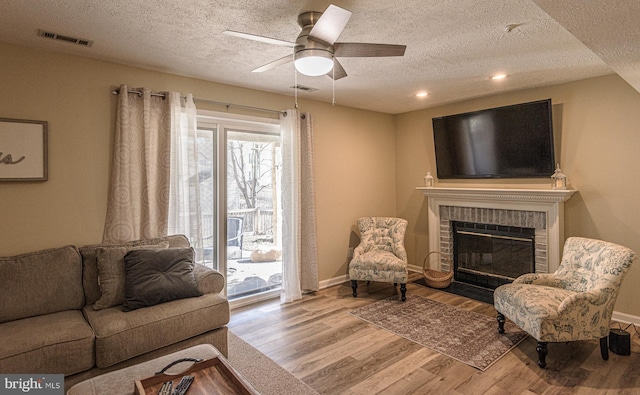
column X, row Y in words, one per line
column 499, row 77
column 422, row 94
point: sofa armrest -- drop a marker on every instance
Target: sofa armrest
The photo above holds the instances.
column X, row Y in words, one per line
column 209, row 280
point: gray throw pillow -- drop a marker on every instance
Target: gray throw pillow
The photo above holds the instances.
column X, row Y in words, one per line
column 110, row 260
column 155, row 276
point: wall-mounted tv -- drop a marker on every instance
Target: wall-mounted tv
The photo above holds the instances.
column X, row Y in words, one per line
column 514, row 141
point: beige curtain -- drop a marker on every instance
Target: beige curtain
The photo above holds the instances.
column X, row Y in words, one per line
column 184, row 201
column 299, row 250
column 138, row 199
column 308, row 228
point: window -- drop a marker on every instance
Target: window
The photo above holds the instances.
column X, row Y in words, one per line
column 240, row 159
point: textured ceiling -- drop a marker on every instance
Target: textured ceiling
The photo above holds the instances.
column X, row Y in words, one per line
column 453, row 47
column 607, row 27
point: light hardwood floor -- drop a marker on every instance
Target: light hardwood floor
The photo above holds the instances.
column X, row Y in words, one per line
column 335, row 353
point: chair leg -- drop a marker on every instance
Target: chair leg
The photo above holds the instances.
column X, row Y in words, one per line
column 403, row 291
column 354, row 286
column 604, row 348
column 501, row 321
column 542, row 354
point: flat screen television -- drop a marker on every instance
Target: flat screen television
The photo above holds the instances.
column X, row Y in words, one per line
column 514, row 141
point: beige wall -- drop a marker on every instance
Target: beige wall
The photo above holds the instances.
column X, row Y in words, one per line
column 368, row 163
column 599, row 140
column 355, row 151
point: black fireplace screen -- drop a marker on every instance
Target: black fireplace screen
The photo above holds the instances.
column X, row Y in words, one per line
column 492, row 255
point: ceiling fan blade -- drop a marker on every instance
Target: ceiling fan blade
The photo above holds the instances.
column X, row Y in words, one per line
column 330, row 25
column 358, row 50
column 274, row 64
column 254, row 37
column 338, row 71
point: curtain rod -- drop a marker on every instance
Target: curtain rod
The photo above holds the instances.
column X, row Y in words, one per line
column 228, row 105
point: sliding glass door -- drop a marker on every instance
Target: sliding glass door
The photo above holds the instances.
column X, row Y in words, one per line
column 240, row 197
column 254, row 261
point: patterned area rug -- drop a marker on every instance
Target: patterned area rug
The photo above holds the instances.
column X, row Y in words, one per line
column 464, row 335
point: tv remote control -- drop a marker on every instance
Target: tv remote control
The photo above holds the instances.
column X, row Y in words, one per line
column 166, row 388
column 183, row 385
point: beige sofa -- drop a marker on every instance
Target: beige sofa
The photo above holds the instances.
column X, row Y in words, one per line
column 48, row 323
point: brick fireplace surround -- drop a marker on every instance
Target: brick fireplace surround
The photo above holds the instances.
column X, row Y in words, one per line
column 540, row 209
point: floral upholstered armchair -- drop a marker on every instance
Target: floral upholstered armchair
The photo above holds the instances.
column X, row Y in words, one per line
column 574, row 303
column 380, row 256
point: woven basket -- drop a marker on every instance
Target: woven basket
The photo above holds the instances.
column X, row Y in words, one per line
column 436, row 278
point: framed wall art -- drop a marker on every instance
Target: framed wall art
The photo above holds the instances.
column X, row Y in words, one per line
column 23, row 150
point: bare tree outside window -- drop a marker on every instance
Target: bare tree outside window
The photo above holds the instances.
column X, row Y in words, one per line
column 250, row 172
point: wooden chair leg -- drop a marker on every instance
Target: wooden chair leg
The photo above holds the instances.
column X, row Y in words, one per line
column 604, row 348
column 403, row 291
column 542, row 354
column 501, row 321
column 354, row 286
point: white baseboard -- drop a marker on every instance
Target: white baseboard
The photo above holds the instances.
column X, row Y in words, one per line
column 625, row 318
column 333, row 281
column 344, row 278
column 414, row 268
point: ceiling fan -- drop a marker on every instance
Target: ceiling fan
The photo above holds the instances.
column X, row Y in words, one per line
column 315, row 50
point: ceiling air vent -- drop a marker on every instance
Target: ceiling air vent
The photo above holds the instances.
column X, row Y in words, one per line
column 303, row 88
column 60, row 37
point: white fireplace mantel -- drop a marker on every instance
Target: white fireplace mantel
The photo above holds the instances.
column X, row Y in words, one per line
column 495, row 194
column 548, row 201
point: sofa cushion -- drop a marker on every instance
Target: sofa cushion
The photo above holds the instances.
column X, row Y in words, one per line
column 40, row 282
column 111, row 274
column 123, row 335
column 57, row 343
column 154, row 276
column 90, row 264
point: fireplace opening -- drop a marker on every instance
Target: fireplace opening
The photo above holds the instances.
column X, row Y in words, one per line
column 491, row 255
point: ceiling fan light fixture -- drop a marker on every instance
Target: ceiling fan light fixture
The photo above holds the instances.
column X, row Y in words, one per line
column 313, row 62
